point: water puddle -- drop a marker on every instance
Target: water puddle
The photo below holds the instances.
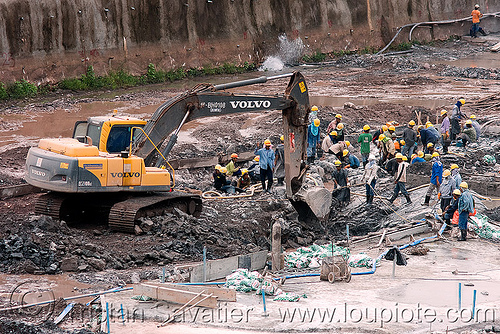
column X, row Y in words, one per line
column 482, row 60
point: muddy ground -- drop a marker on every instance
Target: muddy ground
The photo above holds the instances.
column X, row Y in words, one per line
column 389, row 88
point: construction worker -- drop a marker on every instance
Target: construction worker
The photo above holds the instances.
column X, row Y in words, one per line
column 446, row 189
column 436, row 177
column 279, row 161
column 365, row 138
column 266, row 163
column 465, row 207
column 340, row 131
column 456, row 117
column 313, row 140
column 350, row 160
column 475, row 28
column 410, row 138
column 338, row 148
column 313, row 114
column 232, row 170
column 328, row 141
column 429, row 152
column 400, row 180
column 244, row 180
column 402, row 144
column 392, row 130
column 254, row 169
column 397, row 146
column 445, row 130
column 428, row 136
column 455, row 174
column 468, row 134
column 333, row 124
column 476, row 126
column 370, row 178
column 419, row 157
column 340, row 179
column 378, row 133
column 220, row 181
column 449, row 211
column 388, row 151
column 392, row 165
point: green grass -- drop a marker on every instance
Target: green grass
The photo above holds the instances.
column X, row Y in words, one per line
column 118, row 79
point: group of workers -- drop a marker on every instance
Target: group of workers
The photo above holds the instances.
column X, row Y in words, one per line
column 396, row 154
column 267, row 164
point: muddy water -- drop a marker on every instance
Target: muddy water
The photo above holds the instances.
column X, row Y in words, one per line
column 483, row 60
column 38, row 288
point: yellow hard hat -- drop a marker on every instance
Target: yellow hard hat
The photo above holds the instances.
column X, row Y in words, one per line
column 282, row 138
column 413, row 155
column 446, row 173
column 412, row 123
column 435, row 154
column 399, row 156
column 381, row 136
column 405, row 158
column 244, row 171
column 348, row 143
column 340, row 126
column 384, row 127
column 468, row 122
column 338, row 116
column 366, row 127
column 345, row 152
column 457, row 192
column 234, row 155
column 337, row 162
column 333, row 133
column 402, row 142
column 462, row 101
column 472, row 116
column 223, row 170
column 430, row 145
column 314, row 108
column 453, row 166
column 267, row 142
column 464, row 185
column 420, row 127
column 218, row 167
column 257, row 158
column 316, row 122
column 420, row 154
column 428, row 124
column 392, row 128
column 443, row 112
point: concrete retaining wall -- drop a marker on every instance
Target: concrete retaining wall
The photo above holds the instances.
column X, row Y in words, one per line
column 47, row 40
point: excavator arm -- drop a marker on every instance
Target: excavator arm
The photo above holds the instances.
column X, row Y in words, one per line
column 211, row 100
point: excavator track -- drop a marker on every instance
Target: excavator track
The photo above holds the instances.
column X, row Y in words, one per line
column 49, row 205
column 120, row 211
column 123, row 215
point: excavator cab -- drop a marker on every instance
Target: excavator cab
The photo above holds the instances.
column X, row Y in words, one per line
column 109, row 134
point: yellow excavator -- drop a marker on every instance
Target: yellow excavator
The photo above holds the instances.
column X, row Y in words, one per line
column 113, row 167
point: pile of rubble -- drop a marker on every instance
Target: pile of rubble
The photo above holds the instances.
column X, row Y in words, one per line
column 470, row 72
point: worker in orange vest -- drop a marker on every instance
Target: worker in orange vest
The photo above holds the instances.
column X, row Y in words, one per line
column 476, row 15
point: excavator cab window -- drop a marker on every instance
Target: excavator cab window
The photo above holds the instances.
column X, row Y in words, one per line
column 118, row 139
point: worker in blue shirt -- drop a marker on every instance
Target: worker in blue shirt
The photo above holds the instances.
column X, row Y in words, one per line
column 436, row 177
column 266, row 163
column 313, row 140
column 419, row 157
column 465, row 207
column 427, row 136
column 350, row 160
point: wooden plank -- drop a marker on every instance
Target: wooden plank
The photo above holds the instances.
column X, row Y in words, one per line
column 397, row 235
column 177, row 296
column 217, row 269
column 223, row 294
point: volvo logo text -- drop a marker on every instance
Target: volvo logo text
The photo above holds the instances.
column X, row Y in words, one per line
column 250, row 104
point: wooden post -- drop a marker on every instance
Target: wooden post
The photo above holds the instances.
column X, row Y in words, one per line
column 276, row 247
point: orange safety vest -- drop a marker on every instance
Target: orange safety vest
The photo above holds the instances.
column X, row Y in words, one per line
column 476, row 15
